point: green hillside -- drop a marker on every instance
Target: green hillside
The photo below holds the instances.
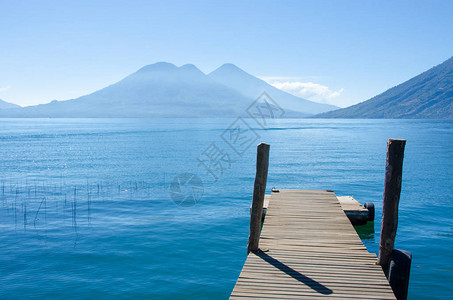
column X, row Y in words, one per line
column 426, row 96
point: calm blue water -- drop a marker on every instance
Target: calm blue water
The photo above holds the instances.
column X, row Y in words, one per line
column 86, row 212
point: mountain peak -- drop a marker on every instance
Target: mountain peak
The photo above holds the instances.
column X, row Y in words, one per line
column 190, row 68
column 230, row 68
column 159, row 66
column 231, row 71
column 252, row 87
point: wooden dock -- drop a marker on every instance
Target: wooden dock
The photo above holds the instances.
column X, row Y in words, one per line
column 309, row 249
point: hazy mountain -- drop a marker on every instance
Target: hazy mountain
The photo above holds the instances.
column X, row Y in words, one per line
column 426, row 96
column 7, row 105
column 251, row 86
column 158, row 90
column 164, row 90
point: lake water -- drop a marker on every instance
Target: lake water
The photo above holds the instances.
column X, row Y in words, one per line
column 135, row 208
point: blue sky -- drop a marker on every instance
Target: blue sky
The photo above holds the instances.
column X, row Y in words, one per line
column 340, row 52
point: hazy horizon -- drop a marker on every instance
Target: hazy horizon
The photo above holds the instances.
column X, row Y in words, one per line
column 342, row 53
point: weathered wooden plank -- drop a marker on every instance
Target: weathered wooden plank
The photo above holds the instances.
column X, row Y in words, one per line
column 353, row 280
column 338, row 289
column 311, row 251
column 303, row 295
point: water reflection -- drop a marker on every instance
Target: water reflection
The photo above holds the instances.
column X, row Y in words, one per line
column 366, row 232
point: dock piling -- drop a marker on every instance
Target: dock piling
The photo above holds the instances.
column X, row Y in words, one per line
column 262, row 164
column 392, row 190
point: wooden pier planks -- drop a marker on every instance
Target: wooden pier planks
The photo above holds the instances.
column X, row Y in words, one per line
column 310, row 250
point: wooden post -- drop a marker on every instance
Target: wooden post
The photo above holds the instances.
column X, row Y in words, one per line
column 392, row 190
column 262, row 163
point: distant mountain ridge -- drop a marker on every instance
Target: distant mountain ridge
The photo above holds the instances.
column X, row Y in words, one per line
column 165, row 90
column 7, row 105
column 251, row 86
column 426, row 96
